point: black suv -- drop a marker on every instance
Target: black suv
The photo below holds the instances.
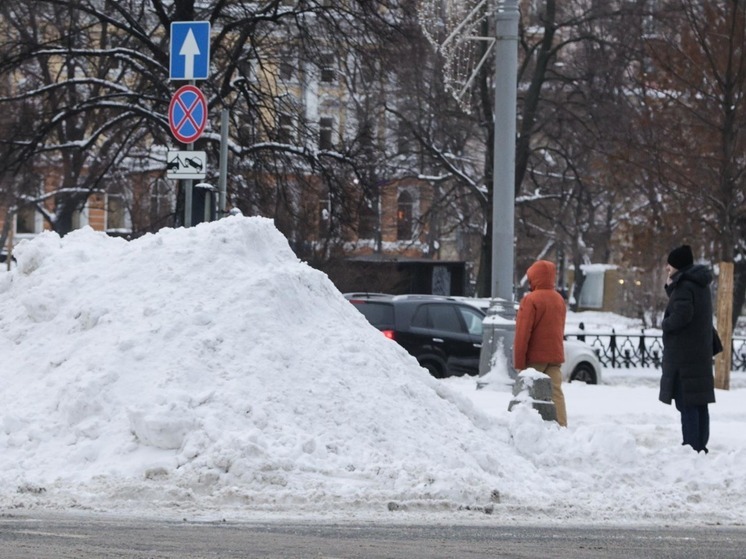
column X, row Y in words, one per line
column 444, row 334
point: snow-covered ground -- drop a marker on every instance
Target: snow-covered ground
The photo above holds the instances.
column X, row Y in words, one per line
column 207, row 373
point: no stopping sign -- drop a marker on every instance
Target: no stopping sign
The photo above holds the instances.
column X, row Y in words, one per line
column 187, row 114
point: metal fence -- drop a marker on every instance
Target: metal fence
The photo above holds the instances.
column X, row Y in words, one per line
column 620, row 351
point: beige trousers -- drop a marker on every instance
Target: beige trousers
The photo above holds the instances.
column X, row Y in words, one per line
column 553, row 371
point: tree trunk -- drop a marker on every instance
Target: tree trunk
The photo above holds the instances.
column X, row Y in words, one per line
column 484, row 285
column 739, row 290
column 724, row 325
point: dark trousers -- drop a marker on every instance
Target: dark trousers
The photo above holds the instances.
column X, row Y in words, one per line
column 695, row 425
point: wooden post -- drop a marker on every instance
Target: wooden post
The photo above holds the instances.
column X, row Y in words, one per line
column 724, row 325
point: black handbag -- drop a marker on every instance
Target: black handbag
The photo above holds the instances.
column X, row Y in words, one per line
column 717, row 345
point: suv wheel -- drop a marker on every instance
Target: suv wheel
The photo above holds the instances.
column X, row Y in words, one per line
column 434, row 366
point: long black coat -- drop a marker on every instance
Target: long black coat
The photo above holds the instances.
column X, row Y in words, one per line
column 687, row 338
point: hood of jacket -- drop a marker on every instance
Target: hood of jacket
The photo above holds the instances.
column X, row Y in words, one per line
column 701, row 275
column 542, row 275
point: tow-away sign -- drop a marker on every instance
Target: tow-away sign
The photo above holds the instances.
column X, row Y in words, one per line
column 186, row 165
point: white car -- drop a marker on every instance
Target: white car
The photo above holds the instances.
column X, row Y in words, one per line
column 581, row 363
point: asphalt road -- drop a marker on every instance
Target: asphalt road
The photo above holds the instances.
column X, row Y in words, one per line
column 86, row 537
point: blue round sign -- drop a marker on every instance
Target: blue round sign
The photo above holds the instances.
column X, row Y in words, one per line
column 187, row 114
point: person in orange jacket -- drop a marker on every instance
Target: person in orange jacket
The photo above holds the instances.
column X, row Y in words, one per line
column 540, row 331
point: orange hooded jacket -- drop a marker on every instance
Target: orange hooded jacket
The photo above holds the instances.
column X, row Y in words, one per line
column 540, row 323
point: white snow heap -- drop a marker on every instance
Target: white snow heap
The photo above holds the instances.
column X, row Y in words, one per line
column 207, row 373
column 211, row 364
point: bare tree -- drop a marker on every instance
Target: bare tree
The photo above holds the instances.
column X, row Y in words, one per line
column 698, row 62
column 689, row 101
column 96, row 74
column 560, row 192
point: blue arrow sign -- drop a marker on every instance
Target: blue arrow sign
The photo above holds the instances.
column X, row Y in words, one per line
column 190, row 50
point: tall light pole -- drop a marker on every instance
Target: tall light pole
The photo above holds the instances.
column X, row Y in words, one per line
column 503, row 178
column 499, row 326
column 438, row 16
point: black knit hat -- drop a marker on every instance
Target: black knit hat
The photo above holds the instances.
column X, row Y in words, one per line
column 681, row 257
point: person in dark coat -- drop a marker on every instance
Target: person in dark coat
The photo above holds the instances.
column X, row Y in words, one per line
column 688, row 346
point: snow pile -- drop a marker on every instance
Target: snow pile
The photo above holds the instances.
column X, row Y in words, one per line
column 209, row 367
column 208, row 373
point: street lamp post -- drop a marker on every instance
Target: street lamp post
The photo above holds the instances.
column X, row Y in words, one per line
column 499, row 328
column 503, row 179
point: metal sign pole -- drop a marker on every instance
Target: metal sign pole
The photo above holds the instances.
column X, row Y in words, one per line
column 223, row 178
column 188, row 187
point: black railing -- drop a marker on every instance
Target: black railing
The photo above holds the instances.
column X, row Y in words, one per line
column 620, row 351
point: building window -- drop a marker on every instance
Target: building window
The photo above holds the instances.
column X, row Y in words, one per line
column 26, row 220
column 247, row 134
column 285, row 128
column 325, row 133
column 325, row 214
column 368, row 71
column 368, row 220
column 287, row 65
column 328, row 73
column 402, row 139
column 160, row 202
column 286, row 70
column 115, row 212
column 404, row 217
column 649, row 24
column 80, row 217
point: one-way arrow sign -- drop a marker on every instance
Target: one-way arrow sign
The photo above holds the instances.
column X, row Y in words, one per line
column 190, row 50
